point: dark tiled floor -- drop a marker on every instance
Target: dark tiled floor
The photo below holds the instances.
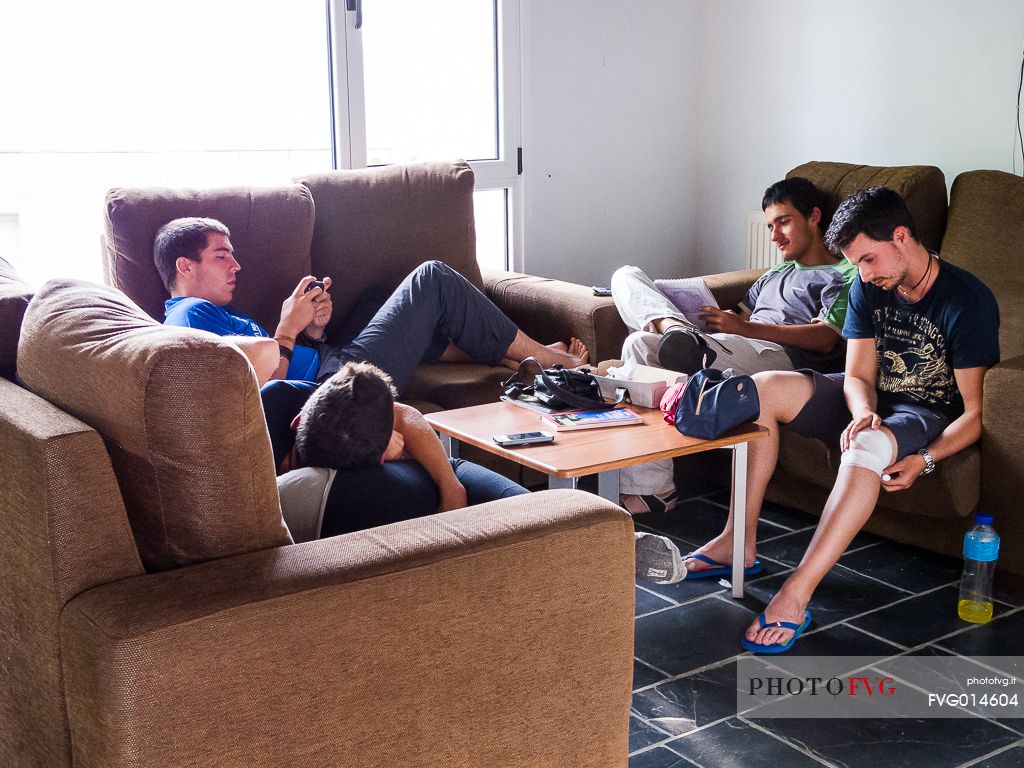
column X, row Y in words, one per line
column 883, row 600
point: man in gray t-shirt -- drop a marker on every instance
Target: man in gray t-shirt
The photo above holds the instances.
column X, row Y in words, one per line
column 796, row 314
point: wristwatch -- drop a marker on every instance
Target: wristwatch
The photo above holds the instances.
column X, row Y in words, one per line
column 929, row 462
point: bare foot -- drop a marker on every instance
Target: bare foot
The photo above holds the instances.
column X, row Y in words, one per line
column 781, row 608
column 579, row 350
column 559, row 346
column 572, row 355
column 720, row 549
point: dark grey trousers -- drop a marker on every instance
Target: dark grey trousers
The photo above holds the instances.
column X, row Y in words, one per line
column 433, row 306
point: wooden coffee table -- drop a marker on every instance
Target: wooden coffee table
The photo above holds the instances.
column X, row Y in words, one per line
column 601, row 452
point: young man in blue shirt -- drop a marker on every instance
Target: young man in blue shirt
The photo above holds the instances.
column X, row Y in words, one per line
column 434, row 315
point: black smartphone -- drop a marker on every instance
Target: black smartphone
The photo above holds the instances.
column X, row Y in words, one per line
column 315, row 284
column 523, row 438
column 600, row 290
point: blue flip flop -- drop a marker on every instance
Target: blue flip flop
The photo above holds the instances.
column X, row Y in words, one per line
column 798, row 630
column 720, row 569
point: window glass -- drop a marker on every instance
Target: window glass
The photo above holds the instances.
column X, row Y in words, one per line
column 118, row 93
column 430, row 80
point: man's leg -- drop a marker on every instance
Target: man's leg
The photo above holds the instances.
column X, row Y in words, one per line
column 482, row 484
column 747, row 356
column 849, row 506
column 640, row 303
column 783, row 395
column 435, row 300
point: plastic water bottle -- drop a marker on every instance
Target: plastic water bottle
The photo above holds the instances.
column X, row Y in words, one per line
column 981, row 549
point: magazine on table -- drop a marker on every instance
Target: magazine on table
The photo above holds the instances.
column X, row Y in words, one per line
column 688, row 295
column 616, row 417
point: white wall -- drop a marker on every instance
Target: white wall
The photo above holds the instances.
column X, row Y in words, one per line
column 662, row 122
column 609, row 134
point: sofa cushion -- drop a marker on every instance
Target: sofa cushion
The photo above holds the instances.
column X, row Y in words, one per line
column 375, row 225
column 179, row 411
column 922, row 186
column 271, row 228
column 986, row 236
column 950, row 493
column 14, row 298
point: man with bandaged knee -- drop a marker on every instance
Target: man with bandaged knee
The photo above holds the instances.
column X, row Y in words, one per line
column 920, row 335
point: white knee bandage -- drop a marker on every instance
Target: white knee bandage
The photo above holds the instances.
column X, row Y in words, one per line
column 870, row 449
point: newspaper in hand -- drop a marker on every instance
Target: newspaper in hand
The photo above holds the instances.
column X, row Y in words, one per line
column 688, row 295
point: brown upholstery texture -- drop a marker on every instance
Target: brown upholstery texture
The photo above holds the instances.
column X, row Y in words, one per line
column 63, row 530
column 456, row 385
column 374, row 226
column 179, row 411
column 922, row 186
column 381, row 644
column 14, row 298
column 271, row 228
column 951, row 492
column 553, row 310
column 986, row 237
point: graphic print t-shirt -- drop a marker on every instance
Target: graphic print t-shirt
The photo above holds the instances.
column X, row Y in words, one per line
column 955, row 325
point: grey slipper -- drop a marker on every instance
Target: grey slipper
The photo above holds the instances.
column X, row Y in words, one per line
column 658, row 560
column 683, row 350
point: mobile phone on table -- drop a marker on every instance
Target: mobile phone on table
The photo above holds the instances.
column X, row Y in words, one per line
column 601, row 290
column 523, row 438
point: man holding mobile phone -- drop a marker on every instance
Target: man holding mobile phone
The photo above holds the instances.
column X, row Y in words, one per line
column 435, row 315
column 795, row 313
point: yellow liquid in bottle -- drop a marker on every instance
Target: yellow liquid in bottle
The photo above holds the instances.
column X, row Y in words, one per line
column 975, row 611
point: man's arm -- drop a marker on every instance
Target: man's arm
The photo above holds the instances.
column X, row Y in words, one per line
column 813, row 337
column 264, row 354
column 423, row 445
column 859, row 388
column 961, row 432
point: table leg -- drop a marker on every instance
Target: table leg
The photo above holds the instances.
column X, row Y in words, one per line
column 608, row 485
column 561, row 482
column 738, row 504
column 451, row 446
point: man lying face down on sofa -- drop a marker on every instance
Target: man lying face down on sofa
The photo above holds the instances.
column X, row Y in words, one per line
column 434, row 315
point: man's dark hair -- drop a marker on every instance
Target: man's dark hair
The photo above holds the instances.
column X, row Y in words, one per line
column 348, row 420
column 182, row 237
column 802, row 195
column 874, row 212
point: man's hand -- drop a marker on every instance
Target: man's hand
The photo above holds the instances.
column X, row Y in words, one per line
column 904, row 473
column 864, row 420
column 323, row 307
column 396, row 447
column 453, row 496
column 298, row 309
column 723, row 321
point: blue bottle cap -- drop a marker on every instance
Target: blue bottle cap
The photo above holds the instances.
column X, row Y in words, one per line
column 982, row 519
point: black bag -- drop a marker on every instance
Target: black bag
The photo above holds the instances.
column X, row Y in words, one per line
column 558, row 388
column 712, row 404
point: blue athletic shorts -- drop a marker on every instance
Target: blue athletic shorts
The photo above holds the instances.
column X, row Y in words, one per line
column 825, row 416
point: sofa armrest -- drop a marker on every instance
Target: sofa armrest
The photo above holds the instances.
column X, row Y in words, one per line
column 729, row 288
column 554, row 310
column 496, row 635
column 1002, row 464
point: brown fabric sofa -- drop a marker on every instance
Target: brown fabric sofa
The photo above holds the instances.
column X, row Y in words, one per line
column 451, row 640
column 366, row 229
column 984, row 234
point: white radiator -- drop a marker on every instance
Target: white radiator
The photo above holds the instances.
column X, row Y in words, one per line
column 761, row 251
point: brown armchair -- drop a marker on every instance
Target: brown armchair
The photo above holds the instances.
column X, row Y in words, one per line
column 153, row 613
